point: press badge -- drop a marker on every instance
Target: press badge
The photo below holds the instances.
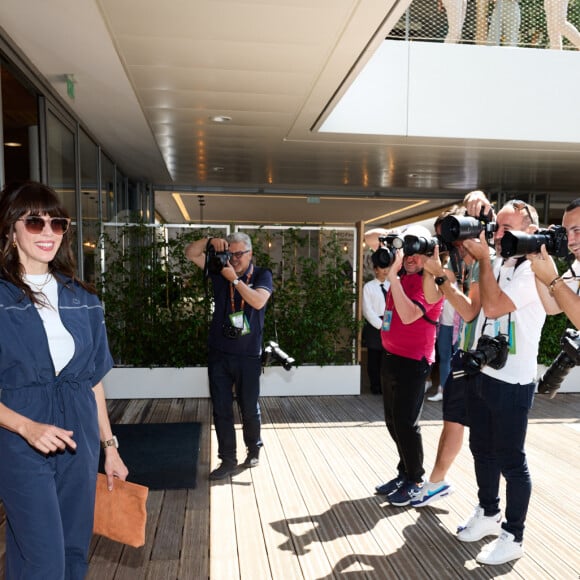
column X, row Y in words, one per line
column 511, row 333
column 387, row 320
column 239, row 320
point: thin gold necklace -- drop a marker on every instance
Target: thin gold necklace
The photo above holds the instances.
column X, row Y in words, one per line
column 40, row 286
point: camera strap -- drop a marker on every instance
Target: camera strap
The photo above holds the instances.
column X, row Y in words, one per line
column 570, row 259
column 518, row 263
column 233, row 290
column 461, row 270
column 422, row 308
column 390, row 305
column 205, row 269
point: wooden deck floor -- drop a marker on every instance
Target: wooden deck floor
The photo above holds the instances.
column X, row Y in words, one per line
column 308, row 511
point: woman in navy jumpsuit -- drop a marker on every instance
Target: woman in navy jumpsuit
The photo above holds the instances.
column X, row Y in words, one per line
column 51, row 419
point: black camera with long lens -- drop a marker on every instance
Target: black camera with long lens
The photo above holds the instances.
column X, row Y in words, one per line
column 458, row 228
column 490, row 351
column 443, row 245
column 418, row 245
column 215, row 261
column 520, row 243
column 568, row 358
column 273, row 353
column 385, row 254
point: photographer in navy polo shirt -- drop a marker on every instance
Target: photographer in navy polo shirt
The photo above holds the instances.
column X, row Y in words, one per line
column 241, row 291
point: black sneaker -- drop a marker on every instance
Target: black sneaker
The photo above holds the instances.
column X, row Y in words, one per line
column 390, row 486
column 405, row 494
column 252, row 460
column 226, row 468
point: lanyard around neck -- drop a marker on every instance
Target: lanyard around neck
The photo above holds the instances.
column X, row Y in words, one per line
column 232, row 289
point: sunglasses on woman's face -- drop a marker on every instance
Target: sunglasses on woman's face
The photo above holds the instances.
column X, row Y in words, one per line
column 35, row 224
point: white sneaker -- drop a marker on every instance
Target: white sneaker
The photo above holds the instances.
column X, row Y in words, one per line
column 437, row 397
column 478, row 526
column 500, row 551
column 431, row 492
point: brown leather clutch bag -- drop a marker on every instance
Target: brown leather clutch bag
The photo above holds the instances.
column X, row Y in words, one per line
column 121, row 514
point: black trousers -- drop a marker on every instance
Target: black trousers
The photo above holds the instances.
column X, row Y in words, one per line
column 374, row 363
column 403, row 396
column 225, row 371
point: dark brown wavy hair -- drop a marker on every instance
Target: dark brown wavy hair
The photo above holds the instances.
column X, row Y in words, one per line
column 30, row 197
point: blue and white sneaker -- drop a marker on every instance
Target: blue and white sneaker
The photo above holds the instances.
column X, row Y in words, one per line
column 405, row 494
column 431, row 492
column 390, row 486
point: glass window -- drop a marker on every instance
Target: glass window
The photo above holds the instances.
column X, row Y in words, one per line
column 90, row 207
column 61, row 162
column 109, row 207
column 61, row 170
column 20, row 128
column 122, row 197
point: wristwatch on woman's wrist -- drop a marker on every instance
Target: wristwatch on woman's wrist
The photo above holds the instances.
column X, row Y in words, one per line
column 114, row 442
column 439, row 280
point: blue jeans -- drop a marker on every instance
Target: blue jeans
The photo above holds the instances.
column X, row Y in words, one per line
column 445, row 349
column 498, row 420
column 226, row 371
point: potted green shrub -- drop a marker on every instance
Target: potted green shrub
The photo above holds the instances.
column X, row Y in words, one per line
column 157, row 308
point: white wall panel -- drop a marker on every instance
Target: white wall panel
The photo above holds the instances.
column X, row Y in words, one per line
column 489, row 92
column 423, row 89
column 376, row 103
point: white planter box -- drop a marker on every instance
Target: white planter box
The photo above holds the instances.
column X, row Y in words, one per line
column 311, row 380
column 156, row 383
column 159, row 383
column 571, row 383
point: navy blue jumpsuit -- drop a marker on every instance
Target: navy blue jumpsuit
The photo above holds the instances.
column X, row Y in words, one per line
column 49, row 500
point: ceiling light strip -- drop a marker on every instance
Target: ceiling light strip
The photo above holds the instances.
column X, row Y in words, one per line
column 391, row 213
column 181, row 206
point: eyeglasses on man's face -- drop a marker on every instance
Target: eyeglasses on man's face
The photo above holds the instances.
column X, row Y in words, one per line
column 237, row 255
column 35, row 224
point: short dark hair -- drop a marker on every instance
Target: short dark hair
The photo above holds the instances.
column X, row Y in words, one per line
column 573, row 205
column 375, row 259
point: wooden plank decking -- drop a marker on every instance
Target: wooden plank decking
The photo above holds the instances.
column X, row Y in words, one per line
column 308, row 511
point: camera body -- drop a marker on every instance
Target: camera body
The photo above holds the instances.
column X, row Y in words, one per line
column 490, row 351
column 215, row 261
column 418, row 245
column 458, row 228
column 231, row 332
column 384, row 256
column 568, row 358
column 410, row 244
column 272, row 352
column 519, row 243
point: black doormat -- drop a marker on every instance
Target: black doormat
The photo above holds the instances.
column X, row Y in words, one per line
column 159, row 455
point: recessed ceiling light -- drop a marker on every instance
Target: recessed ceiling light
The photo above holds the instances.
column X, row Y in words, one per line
column 220, row 119
column 12, row 144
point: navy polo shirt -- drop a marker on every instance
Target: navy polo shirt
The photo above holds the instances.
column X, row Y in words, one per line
column 250, row 344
